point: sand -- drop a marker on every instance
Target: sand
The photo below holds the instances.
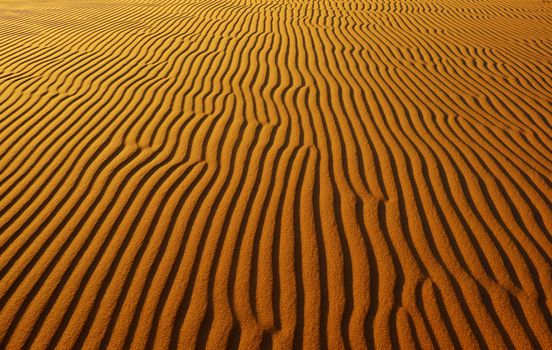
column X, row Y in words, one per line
column 275, row 174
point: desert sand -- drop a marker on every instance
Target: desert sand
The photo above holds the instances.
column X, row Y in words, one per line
column 275, row 174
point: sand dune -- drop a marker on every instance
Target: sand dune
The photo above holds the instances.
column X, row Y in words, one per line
column 287, row 174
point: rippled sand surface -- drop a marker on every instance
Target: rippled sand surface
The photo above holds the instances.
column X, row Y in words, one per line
column 275, row 173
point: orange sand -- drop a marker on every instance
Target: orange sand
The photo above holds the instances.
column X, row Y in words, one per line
column 267, row 173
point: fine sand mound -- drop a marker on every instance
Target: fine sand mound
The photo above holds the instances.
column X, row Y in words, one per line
column 269, row 173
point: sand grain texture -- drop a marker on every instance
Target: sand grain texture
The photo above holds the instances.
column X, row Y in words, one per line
column 286, row 174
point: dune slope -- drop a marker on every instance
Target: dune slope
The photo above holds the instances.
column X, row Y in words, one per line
column 267, row 173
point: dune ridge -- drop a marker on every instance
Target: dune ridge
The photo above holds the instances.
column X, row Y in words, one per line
column 285, row 174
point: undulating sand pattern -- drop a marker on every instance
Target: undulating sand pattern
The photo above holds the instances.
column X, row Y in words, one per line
column 273, row 173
